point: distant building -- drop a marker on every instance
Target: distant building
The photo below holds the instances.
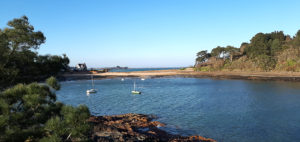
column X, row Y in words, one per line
column 81, row 67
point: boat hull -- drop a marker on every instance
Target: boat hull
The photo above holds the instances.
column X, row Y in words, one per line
column 136, row 92
column 91, row 91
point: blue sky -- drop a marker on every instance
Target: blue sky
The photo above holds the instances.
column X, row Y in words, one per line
column 149, row 33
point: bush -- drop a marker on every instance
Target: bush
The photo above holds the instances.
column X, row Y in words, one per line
column 52, row 82
column 203, row 68
column 31, row 113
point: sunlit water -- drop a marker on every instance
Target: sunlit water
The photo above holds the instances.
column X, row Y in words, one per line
column 225, row 110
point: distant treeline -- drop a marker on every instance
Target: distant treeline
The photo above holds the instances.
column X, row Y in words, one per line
column 266, row 52
column 19, row 61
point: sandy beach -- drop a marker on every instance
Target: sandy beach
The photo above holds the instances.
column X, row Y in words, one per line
column 189, row 72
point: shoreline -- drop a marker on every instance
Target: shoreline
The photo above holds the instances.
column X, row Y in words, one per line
column 135, row 127
column 239, row 75
column 141, row 127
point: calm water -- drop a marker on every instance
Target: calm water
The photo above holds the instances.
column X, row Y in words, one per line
column 140, row 69
column 225, row 110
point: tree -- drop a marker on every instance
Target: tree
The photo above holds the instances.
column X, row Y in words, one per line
column 27, row 112
column 258, row 46
column 264, row 51
column 22, row 37
column 243, row 47
column 230, row 50
column 202, row 56
column 6, row 74
column 296, row 40
column 276, row 46
column 218, row 52
column 30, row 112
column 19, row 61
column 266, row 44
column 53, row 83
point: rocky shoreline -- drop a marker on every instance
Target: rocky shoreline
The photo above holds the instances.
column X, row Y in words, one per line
column 135, row 127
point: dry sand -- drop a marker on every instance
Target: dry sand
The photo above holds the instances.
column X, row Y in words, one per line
column 285, row 76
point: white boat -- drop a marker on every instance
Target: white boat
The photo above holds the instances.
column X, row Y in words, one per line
column 122, row 79
column 134, row 90
column 142, row 78
column 93, row 90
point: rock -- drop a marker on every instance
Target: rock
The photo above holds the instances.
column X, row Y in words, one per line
column 134, row 127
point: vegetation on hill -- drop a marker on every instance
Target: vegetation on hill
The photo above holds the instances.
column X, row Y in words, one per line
column 266, row 52
column 19, row 60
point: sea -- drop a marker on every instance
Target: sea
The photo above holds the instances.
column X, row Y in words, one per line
column 221, row 109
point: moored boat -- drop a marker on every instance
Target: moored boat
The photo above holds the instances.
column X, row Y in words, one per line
column 93, row 90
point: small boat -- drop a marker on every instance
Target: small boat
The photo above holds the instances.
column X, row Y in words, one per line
column 122, row 79
column 142, row 78
column 134, row 91
column 93, row 90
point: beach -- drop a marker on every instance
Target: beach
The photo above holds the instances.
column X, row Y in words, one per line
column 189, row 72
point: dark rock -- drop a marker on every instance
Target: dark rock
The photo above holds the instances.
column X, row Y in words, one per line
column 134, row 127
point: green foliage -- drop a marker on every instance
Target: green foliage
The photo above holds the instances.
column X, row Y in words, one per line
column 71, row 125
column 296, row 40
column 265, row 52
column 53, row 83
column 203, row 69
column 266, row 44
column 52, row 64
column 291, row 62
column 231, row 51
column 265, row 62
column 52, row 138
column 20, row 63
column 22, row 35
column 218, row 52
column 30, row 112
column 27, row 107
column 202, row 56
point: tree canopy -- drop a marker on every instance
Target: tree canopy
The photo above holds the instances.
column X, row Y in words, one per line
column 19, row 60
column 30, row 112
column 263, row 51
column 202, row 56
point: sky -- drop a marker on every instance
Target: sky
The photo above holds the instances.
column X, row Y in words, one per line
column 148, row 33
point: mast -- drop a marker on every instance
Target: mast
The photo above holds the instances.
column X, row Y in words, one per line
column 134, row 86
column 93, row 82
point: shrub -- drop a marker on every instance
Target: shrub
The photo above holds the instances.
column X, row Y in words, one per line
column 31, row 113
column 52, row 82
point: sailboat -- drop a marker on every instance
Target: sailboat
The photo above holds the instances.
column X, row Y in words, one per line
column 93, row 90
column 134, row 90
